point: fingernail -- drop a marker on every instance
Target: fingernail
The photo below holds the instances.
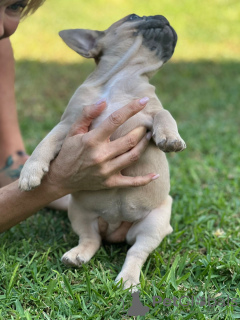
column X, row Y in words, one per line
column 100, row 101
column 149, row 135
column 156, row 176
column 143, row 101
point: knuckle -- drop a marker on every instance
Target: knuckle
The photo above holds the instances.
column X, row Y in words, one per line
column 103, row 171
column 116, row 118
column 109, row 183
column 134, row 156
column 134, row 106
column 136, row 183
column 88, row 141
column 98, row 158
column 131, row 141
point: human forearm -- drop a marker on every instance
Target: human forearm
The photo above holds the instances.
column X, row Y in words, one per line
column 16, row 205
column 10, row 137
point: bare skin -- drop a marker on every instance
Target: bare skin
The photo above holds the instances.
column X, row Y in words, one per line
column 11, row 142
column 13, row 155
column 87, row 161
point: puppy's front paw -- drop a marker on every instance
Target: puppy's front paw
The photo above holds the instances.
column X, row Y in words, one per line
column 128, row 280
column 171, row 143
column 32, row 174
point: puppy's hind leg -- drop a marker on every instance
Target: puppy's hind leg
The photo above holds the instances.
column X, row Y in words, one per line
column 85, row 224
column 145, row 236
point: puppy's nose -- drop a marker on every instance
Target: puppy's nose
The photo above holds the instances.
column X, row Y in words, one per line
column 159, row 18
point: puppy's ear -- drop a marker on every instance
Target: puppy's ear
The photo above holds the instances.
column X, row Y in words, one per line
column 83, row 41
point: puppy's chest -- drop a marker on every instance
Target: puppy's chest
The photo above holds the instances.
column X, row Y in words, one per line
column 140, row 119
column 117, row 94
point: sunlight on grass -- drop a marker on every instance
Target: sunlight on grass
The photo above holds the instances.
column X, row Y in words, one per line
column 206, row 29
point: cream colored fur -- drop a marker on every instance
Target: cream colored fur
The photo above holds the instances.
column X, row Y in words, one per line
column 141, row 216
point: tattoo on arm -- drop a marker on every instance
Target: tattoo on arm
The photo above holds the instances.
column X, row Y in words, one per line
column 9, row 163
column 7, row 169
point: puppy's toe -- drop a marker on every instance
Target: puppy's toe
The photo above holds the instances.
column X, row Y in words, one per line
column 162, row 144
column 180, row 145
column 32, row 174
column 68, row 261
column 172, row 144
column 128, row 281
column 29, row 183
column 75, row 257
column 71, row 259
column 80, row 260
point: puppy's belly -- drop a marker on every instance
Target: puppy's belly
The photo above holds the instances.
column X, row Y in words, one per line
column 129, row 204
column 111, row 205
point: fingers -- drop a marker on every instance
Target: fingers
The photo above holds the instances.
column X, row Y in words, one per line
column 117, row 118
column 121, row 181
column 128, row 158
column 127, row 142
column 88, row 115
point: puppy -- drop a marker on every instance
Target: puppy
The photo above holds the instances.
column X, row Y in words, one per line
column 127, row 55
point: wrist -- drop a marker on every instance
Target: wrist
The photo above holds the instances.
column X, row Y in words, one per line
column 54, row 189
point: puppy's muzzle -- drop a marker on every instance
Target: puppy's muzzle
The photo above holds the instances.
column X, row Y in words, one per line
column 158, row 36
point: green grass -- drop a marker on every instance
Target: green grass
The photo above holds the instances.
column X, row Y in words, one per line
column 201, row 257
column 206, row 29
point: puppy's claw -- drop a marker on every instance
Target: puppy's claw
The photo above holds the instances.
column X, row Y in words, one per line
column 73, row 260
column 67, row 261
column 71, row 263
column 80, row 261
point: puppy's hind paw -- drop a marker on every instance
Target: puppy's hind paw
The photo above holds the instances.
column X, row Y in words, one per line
column 129, row 281
column 75, row 257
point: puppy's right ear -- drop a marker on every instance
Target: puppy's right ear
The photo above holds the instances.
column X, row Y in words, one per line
column 84, row 42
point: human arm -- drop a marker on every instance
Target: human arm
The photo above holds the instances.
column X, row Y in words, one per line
column 16, row 206
column 11, row 142
column 10, row 137
column 87, row 161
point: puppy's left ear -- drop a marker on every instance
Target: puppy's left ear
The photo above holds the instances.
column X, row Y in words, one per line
column 84, row 42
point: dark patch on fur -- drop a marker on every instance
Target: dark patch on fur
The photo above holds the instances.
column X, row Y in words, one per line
column 157, row 34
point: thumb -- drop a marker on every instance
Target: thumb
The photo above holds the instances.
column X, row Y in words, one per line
column 89, row 113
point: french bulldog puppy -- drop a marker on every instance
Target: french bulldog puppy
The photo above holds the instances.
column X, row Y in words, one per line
column 127, row 54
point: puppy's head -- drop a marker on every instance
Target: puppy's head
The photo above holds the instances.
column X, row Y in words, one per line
column 157, row 39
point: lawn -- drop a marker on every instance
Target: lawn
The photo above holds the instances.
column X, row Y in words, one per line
column 200, row 87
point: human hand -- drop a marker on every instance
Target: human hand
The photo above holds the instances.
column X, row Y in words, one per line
column 88, row 160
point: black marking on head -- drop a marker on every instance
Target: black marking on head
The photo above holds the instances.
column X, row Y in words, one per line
column 158, row 36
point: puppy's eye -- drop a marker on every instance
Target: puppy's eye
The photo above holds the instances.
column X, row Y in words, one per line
column 133, row 17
